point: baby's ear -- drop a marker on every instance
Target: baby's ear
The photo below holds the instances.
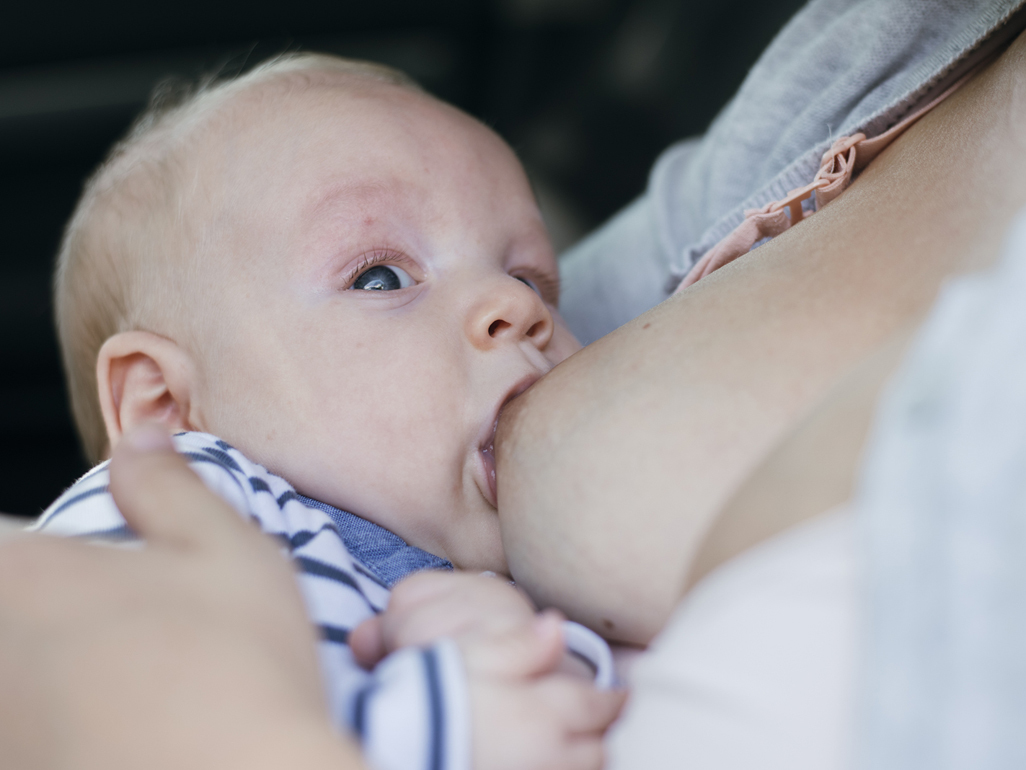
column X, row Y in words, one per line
column 144, row 378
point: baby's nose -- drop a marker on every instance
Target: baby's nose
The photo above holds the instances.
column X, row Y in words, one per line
column 509, row 311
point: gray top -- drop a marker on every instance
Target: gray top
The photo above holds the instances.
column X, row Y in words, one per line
column 838, row 67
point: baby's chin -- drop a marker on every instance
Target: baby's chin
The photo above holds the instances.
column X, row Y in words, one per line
column 476, row 544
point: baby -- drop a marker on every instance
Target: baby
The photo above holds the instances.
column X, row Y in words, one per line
column 329, row 284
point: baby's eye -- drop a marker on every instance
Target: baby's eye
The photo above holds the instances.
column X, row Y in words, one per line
column 383, row 278
column 529, row 283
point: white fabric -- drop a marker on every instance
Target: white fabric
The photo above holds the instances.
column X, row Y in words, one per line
column 756, row 668
column 942, row 501
column 409, row 679
column 593, row 649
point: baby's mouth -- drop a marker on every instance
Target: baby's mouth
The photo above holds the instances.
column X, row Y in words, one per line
column 487, row 448
column 488, row 460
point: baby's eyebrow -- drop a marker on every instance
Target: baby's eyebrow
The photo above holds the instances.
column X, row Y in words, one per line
column 350, row 191
column 339, row 218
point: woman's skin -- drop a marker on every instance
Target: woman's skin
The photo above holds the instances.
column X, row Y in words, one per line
column 614, row 466
column 193, row 652
column 811, row 471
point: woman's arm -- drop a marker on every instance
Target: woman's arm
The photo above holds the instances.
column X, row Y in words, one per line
column 191, row 652
column 613, row 466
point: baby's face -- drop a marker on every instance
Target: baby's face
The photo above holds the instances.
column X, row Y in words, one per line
column 380, row 285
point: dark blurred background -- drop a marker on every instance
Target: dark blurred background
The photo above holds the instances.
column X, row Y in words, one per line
column 588, row 92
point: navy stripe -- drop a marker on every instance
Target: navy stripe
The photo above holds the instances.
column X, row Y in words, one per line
column 225, row 458
column 360, row 711
column 198, row 457
column 259, row 485
column 293, row 542
column 437, row 712
column 385, row 554
column 119, row 533
column 369, row 575
column 281, row 537
column 71, row 501
column 286, row 496
column 304, row 536
column 320, row 569
column 334, row 634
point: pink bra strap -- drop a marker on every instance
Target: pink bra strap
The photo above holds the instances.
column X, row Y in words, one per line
column 846, row 157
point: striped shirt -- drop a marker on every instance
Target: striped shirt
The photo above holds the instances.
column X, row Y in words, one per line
column 412, row 711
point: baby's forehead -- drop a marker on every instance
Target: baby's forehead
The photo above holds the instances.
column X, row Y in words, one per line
column 344, row 157
column 283, row 113
column 351, row 133
column 298, row 102
column 269, row 137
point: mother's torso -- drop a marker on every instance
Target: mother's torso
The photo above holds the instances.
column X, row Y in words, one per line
column 613, row 467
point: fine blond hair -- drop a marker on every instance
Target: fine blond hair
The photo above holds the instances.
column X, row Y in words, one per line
column 120, row 265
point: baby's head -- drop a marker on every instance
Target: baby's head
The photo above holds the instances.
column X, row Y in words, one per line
column 333, row 271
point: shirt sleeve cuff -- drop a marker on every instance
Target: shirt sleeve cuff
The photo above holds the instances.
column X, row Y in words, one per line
column 583, row 643
column 416, row 711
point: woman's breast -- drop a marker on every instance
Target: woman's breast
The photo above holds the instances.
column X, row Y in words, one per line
column 615, row 465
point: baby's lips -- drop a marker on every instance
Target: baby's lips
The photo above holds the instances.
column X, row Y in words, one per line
column 486, row 448
column 488, row 461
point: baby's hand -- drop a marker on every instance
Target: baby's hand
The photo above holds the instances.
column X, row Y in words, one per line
column 431, row 605
column 526, row 715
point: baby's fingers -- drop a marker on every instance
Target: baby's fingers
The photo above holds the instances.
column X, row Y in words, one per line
column 431, row 605
column 166, row 504
column 579, row 707
column 535, row 648
column 368, row 643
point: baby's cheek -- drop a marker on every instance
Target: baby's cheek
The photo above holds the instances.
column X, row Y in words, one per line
column 564, row 344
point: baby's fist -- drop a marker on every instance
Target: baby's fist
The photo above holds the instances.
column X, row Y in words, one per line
column 524, row 716
column 431, row 605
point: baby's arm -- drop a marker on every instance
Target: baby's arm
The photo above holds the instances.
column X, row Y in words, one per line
column 524, row 712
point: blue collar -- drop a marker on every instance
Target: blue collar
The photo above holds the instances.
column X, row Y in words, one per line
column 385, row 555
